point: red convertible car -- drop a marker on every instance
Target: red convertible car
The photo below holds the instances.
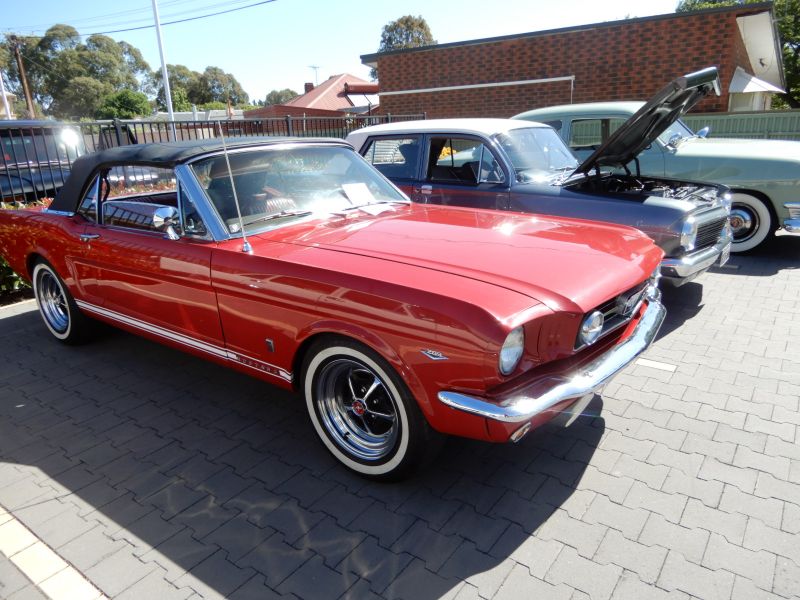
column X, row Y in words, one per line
column 297, row 262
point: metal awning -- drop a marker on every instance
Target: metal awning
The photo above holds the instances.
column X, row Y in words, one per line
column 744, row 83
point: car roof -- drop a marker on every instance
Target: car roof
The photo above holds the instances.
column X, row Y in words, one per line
column 626, row 108
column 163, row 155
column 461, row 125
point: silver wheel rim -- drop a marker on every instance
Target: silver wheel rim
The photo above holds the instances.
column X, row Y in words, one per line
column 744, row 222
column 356, row 409
column 52, row 302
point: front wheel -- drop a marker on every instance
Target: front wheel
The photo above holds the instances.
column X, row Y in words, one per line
column 751, row 222
column 58, row 309
column 363, row 412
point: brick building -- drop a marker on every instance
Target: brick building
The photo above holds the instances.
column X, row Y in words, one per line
column 618, row 60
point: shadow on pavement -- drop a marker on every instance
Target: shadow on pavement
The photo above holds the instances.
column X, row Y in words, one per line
column 780, row 253
column 682, row 303
column 149, row 463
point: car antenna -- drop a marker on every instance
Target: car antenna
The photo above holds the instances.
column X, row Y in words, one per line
column 246, row 247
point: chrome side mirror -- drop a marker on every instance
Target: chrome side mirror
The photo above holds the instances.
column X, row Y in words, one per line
column 674, row 139
column 166, row 219
column 703, row 132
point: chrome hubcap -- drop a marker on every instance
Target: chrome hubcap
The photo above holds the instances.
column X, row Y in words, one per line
column 356, row 409
column 53, row 302
column 743, row 222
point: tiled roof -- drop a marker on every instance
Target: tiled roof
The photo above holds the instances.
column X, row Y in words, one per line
column 329, row 94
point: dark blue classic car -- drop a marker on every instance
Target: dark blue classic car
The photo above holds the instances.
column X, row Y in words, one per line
column 515, row 165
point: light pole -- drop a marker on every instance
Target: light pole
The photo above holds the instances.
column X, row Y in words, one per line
column 5, row 100
column 164, row 74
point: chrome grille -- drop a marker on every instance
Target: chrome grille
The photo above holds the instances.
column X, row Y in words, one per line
column 619, row 310
column 708, row 233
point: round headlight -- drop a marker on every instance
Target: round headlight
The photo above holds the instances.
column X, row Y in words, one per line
column 511, row 351
column 689, row 234
column 591, row 328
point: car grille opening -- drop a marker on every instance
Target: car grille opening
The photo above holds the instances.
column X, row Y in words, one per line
column 708, row 233
column 618, row 310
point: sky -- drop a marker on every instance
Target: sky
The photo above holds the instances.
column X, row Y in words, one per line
column 274, row 44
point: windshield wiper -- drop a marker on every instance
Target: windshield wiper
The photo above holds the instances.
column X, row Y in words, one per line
column 346, row 209
column 280, row 215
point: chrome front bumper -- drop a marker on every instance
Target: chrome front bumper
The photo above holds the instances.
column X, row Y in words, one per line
column 542, row 396
column 677, row 271
column 792, row 224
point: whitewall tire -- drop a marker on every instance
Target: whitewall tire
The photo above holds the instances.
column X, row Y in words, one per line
column 59, row 312
column 751, row 222
column 363, row 412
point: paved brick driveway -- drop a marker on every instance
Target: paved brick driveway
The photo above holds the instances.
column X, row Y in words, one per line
column 158, row 475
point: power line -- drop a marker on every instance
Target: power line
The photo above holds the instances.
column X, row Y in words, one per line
column 214, row 14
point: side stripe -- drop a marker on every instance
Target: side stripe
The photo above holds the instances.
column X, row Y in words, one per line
column 253, row 363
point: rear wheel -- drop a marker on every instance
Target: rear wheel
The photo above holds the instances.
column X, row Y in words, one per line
column 58, row 309
column 363, row 412
column 751, row 222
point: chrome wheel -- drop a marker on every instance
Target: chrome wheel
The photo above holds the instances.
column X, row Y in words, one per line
column 751, row 222
column 744, row 222
column 356, row 409
column 53, row 300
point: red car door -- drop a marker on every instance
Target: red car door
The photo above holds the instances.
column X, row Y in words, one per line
column 150, row 282
column 140, row 277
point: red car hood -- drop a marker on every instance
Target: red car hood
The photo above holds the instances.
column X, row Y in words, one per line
column 562, row 263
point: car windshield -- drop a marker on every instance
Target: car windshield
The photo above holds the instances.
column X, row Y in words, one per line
column 538, row 154
column 275, row 186
column 678, row 128
column 40, row 146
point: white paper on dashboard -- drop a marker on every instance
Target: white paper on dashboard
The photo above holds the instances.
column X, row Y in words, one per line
column 358, row 193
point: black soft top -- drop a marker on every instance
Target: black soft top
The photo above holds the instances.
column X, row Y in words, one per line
column 165, row 155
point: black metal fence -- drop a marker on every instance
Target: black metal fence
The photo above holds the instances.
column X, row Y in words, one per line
column 36, row 157
column 115, row 133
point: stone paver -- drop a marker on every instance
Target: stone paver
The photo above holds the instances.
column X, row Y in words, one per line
column 155, row 474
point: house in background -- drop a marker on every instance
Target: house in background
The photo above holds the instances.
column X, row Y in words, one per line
column 618, row 60
column 337, row 96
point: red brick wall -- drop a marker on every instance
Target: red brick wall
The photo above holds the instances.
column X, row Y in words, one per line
column 624, row 60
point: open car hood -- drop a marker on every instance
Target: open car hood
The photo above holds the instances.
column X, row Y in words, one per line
column 650, row 121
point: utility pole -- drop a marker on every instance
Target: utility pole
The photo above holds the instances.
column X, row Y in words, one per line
column 22, row 76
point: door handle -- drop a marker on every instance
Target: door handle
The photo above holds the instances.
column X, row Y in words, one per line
column 87, row 237
column 426, row 189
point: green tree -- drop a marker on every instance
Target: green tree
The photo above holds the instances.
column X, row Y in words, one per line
column 215, row 85
column 280, row 96
column 405, row 32
column 125, row 104
column 58, row 64
column 181, row 80
column 787, row 13
column 213, row 105
column 180, row 100
column 81, row 97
